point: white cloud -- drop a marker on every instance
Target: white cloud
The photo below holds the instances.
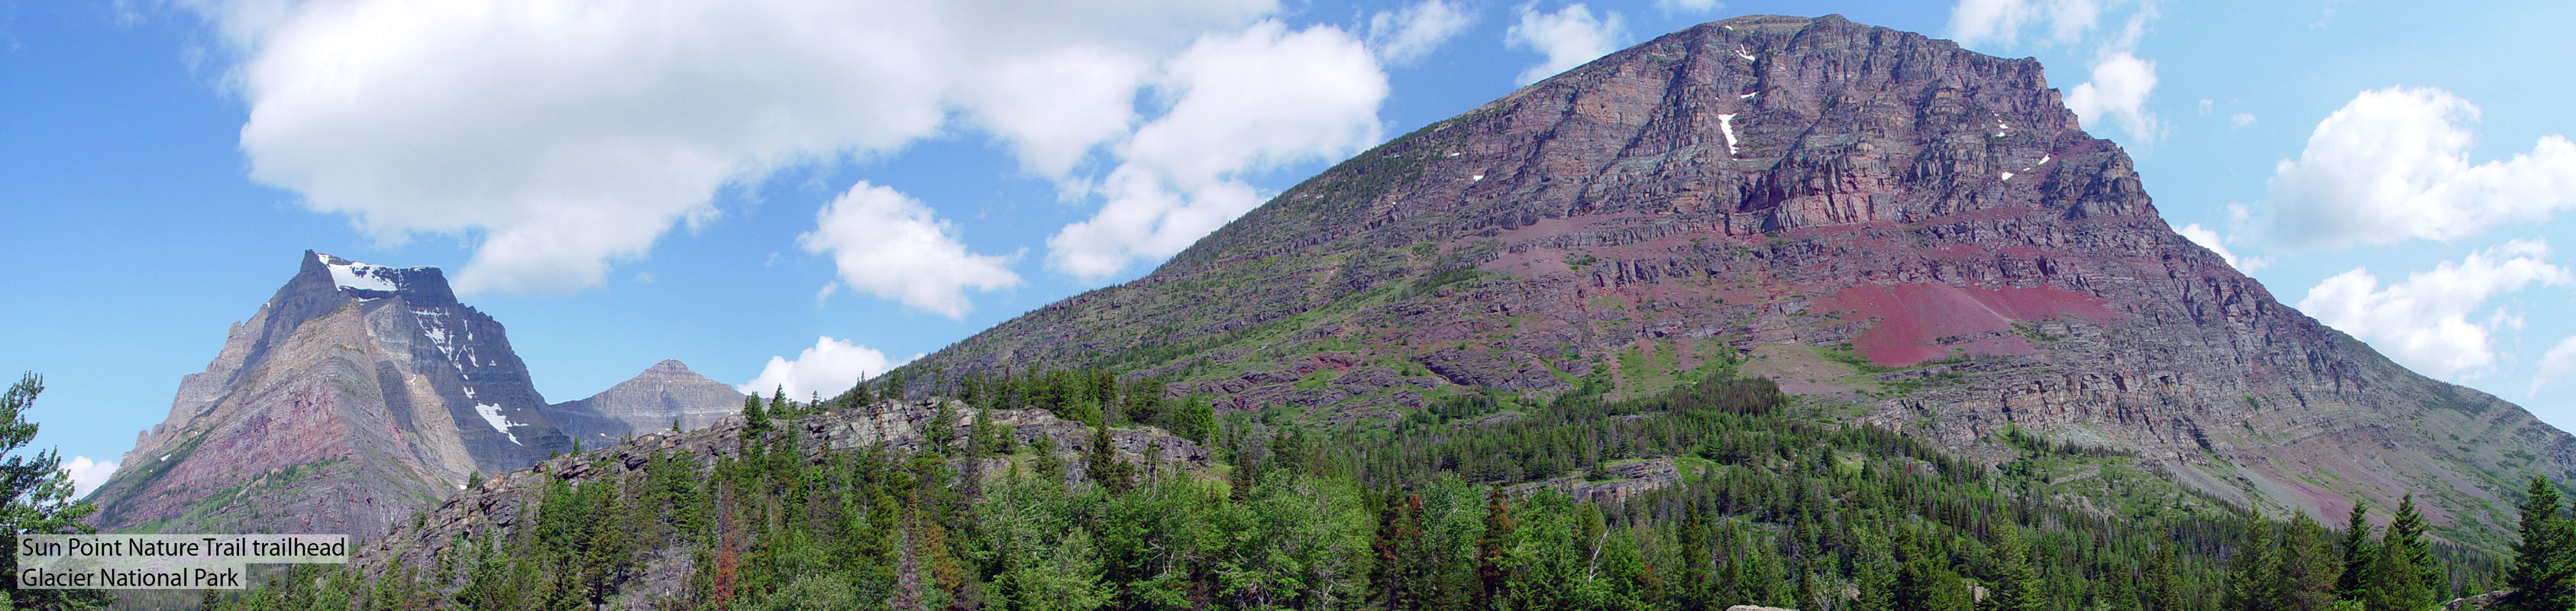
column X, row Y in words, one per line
column 2002, row 21
column 891, row 246
column 87, row 474
column 2393, row 164
column 2207, row 105
column 2117, row 95
column 2423, row 322
column 1568, row 38
column 830, row 367
column 1242, row 103
column 2560, row 360
column 1403, row 36
column 560, row 136
column 2242, row 119
column 1688, row 6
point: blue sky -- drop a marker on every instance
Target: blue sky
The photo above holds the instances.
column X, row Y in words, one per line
column 790, row 192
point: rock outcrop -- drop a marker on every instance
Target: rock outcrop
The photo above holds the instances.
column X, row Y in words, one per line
column 355, row 395
column 665, row 395
column 501, row 503
column 1873, row 217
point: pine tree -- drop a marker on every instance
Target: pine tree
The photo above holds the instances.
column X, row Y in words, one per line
column 2016, row 589
column 942, row 428
column 1102, row 463
column 778, row 406
column 2357, row 554
column 36, row 499
column 2249, row 571
column 2542, row 561
column 2306, row 566
column 754, row 419
column 1491, row 553
column 2402, row 579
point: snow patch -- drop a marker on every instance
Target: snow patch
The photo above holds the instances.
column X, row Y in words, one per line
column 1748, row 96
column 2043, row 159
column 1726, row 123
column 360, row 276
column 165, row 458
column 2007, row 176
column 1475, row 178
column 492, row 415
column 1741, row 53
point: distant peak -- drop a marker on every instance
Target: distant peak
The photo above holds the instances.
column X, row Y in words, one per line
column 669, row 366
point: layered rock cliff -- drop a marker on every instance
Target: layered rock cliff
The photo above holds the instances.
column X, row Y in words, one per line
column 1919, row 236
column 356, row 394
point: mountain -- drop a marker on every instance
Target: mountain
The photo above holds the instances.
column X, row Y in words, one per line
column 664, row 395
column 355, row 395
column 358, row 394
column 1913, row 235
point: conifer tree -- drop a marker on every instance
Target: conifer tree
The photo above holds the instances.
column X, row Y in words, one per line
column 2166, row 589
column 2306, row 566
column 1102, row 463
column 778, row 406
column 754, row 419
column 38, row 500
column 2402, row 579
column 2250, row 570
column 2542, row 560
column 2016, row 589
column 1491, row 553
column 2357, row 554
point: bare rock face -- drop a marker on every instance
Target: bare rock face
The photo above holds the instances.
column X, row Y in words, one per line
column 355, row 395
column 1872, row 217
column 666, row 395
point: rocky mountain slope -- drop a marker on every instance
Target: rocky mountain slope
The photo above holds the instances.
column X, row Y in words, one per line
column 357, row 394
column 666, row 395
column 1879, row 220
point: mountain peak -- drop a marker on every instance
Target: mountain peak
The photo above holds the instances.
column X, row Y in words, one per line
column 1880, row 221
column 322, row 272
column 669, row 367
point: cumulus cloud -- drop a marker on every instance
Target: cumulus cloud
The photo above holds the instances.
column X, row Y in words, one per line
column 2559, row 361
column 560, row 136
column 2117, row 95
column 1242, row 103
column 2423, row 322
column 2393, row 164
column 1567, row 38
column 891, row 246
column 87, row 474
column 2242, row 119
column 2002, row 21
column 1405, row 35
column 830, row 367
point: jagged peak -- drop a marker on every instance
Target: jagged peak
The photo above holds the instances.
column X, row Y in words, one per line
column 669, row 367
